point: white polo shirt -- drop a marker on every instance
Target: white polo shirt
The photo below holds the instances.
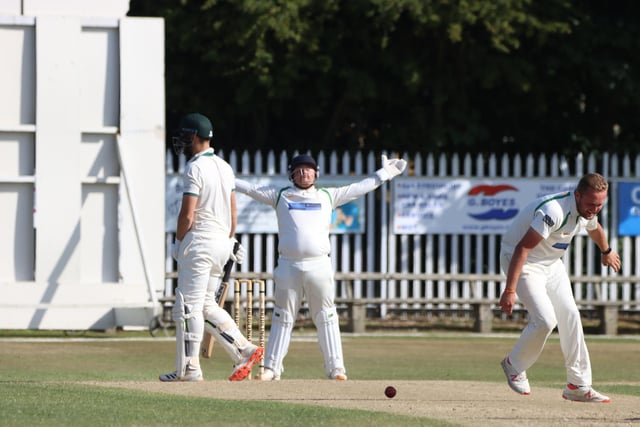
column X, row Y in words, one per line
column 555, row 217
column 211, row 180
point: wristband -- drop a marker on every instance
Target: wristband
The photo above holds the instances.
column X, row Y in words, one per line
column 509, row 291
column 608, row 251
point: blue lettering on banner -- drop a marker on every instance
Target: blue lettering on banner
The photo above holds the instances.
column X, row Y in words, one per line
column 562, row 246
column 499, row 214
column 302, row 206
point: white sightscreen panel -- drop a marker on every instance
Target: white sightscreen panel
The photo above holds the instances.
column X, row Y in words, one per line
column 10, row 7
column 142, row 145
column 92, row 8
column 98, row 233
column 16, row 229
column 17, row 156
column 17, row 76
column 58, row 193
column 99, row 156
column 143, row 97
column 99, row 73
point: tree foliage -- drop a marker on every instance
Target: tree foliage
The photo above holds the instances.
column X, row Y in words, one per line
column 405, row 75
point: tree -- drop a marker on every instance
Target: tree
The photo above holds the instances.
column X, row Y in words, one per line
column 412, row 75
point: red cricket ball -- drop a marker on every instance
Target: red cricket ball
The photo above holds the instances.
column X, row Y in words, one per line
column 390, row 391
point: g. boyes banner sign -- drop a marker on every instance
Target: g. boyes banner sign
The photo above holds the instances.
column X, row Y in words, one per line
column 465, row 206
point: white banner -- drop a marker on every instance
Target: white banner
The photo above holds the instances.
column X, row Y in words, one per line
column 465, row 206
column 256, row 217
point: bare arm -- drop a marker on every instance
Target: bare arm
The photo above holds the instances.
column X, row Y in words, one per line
column 612, row 259
column 186, row 215
column 234, row 214
column 599, row 238
column 530, row 240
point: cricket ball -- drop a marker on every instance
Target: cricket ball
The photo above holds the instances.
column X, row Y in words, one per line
column 390, row 392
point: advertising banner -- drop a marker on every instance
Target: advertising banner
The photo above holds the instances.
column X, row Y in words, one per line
column 629, row 208
column 465, row 205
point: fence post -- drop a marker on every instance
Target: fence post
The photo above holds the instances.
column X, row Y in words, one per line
column 357, row 316
column 483, row 315
column 608, row 315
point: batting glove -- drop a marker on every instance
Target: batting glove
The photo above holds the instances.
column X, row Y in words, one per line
column 239, row 254
column 175, row 248
column 391, row 168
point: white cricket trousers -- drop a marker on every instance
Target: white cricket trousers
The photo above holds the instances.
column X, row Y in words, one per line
column 201, row 257
column 310, row 277
column 545, row 291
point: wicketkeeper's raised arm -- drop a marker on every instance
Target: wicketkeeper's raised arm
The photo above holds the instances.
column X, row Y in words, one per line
column 267, row 194
column 391, row 168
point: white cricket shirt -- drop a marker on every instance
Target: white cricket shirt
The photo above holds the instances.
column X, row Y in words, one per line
column 211, row 180
column 556, row 218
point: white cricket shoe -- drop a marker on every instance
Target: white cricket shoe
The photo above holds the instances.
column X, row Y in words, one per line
column 268, row 375
column 338, row 374
column 243, row 369
column 583, row 393
column 190, row 376
column 517, row 380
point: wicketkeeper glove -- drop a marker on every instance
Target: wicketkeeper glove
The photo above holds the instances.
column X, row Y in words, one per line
column 391, row 168
column 239, row 254
column 175, row 248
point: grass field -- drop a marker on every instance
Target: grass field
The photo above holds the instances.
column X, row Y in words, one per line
column 90, row 380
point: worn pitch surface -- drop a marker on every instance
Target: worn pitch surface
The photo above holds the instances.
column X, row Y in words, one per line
column 461, row 402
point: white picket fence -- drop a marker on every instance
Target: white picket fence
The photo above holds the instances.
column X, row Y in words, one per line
column 429, row 273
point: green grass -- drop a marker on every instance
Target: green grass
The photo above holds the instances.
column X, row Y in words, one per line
column 38, row 378
column 31, row 403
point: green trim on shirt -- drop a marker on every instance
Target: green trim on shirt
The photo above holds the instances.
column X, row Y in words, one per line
column 561, row 196
column 282, row 190
column 328, row 194
column 558, row 197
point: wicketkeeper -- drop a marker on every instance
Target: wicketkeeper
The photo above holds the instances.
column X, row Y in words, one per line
column 304, row 267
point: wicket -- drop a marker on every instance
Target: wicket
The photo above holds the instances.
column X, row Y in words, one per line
column 237, row 301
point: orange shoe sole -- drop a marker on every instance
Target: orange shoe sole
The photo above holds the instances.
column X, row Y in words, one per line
column 245, row 371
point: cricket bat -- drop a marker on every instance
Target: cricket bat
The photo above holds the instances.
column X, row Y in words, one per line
column 206, row 347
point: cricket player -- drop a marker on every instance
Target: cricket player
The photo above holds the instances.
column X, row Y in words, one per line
column 204, row 242
column 531, row 256
column 304, row 267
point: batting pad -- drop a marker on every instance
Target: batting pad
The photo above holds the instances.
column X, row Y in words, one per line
column 189, row 331
column 225, row 331
column 326, row 322
column 279, row 340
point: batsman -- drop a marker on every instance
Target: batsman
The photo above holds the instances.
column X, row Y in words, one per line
column 204, row 241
